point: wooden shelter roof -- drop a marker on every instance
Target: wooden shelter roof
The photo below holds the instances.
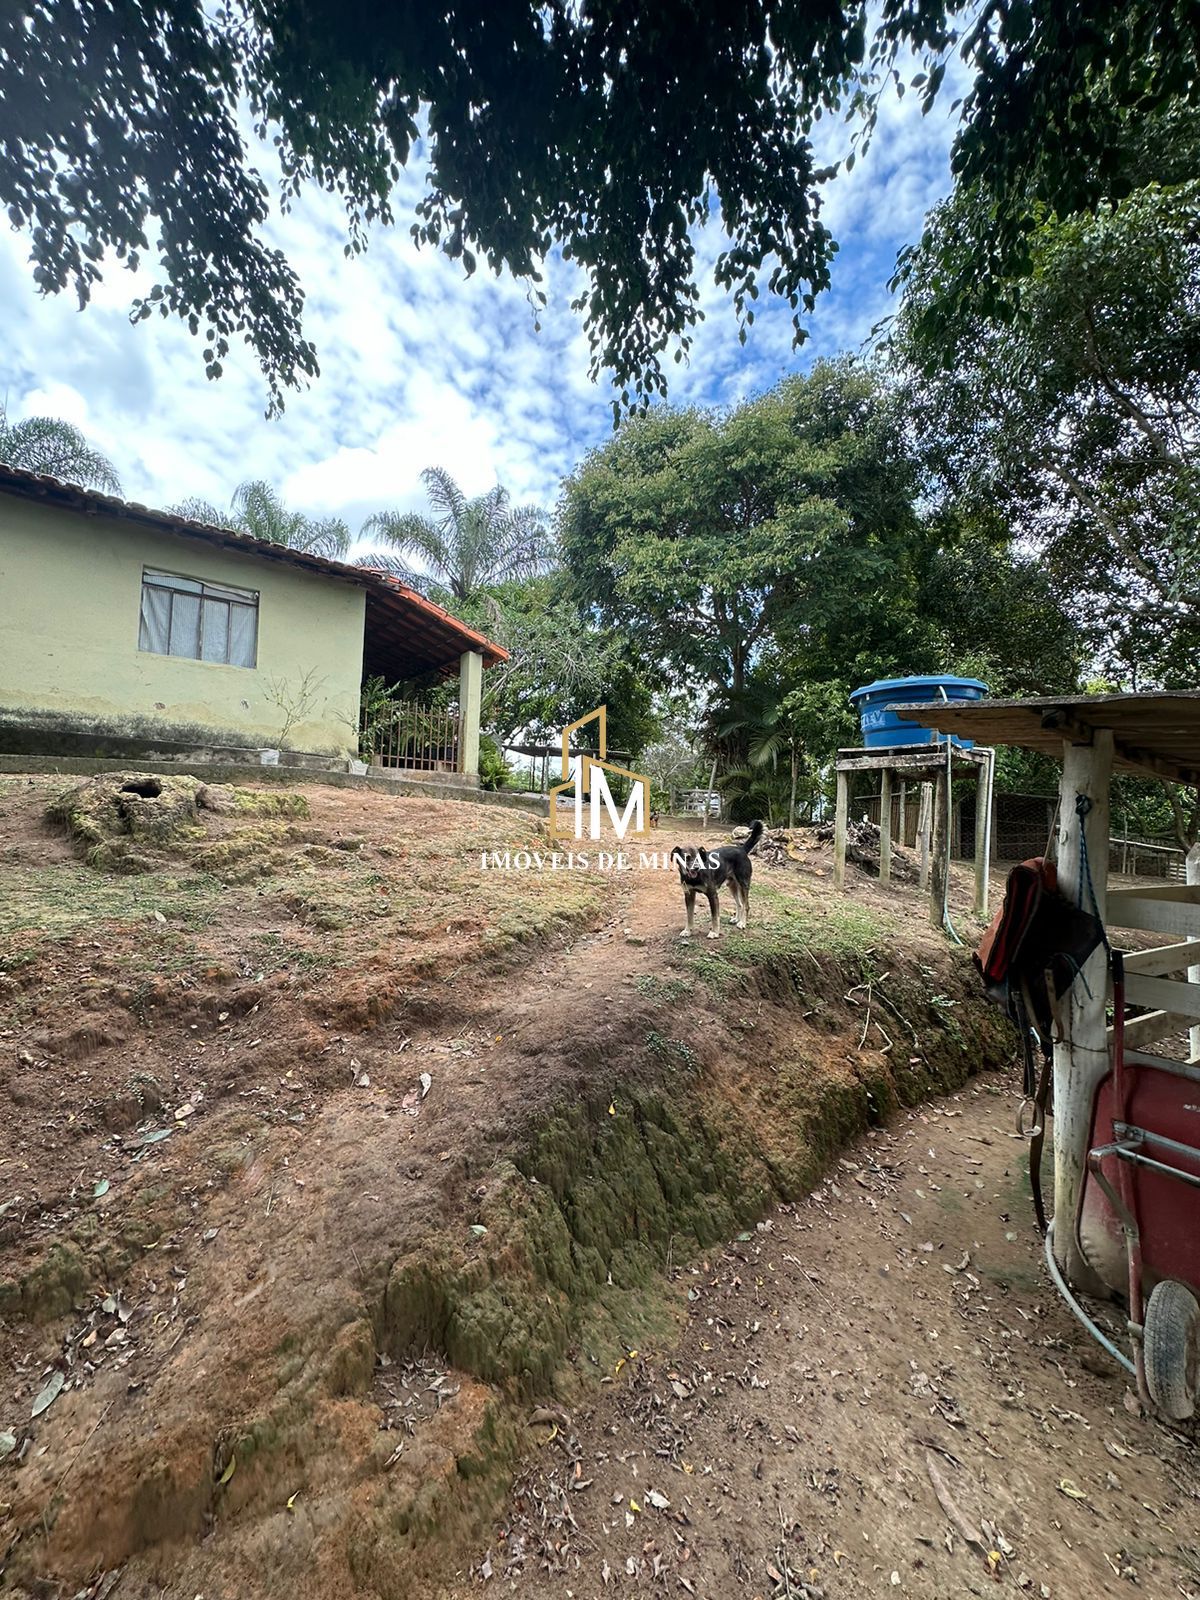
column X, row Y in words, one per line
column 1156, row 734
column 407, row 636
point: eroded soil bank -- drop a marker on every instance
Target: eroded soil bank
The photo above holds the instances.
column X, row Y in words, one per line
column 876, row 1391
column 331, row 1154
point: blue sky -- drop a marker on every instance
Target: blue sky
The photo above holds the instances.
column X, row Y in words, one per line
column 421, row 366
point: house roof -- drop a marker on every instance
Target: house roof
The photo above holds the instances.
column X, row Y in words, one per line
column 407, row 636
column 1152, row 733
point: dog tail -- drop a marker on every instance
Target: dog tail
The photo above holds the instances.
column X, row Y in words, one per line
column 756, row 833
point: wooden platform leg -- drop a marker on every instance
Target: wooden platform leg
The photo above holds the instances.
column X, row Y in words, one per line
column 939, row 851
column 924, row 831
column 885, row 826
column 902, row 819
column 983, row 837
column 840, row 816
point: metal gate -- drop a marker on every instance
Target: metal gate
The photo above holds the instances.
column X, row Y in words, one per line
column 419, row 739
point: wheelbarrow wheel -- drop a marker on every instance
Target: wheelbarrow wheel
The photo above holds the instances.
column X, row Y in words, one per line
column 1171, row 1348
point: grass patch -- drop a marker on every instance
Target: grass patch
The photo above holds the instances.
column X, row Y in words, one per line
column 783, row 927
column 664, row 990
column 52, row 902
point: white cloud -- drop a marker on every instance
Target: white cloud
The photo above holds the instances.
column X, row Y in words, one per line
column 421, row 366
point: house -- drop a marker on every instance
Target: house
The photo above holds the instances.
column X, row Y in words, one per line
column 131, row 632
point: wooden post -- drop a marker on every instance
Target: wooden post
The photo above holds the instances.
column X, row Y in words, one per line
column 925, row 831
column 885, row 826
column 902, row 819
column 983, row 834
column 1081, row 1057
column 955, row 826
column 1191, row 870
column 712, row 778
column 839, row 830
column 939, row 850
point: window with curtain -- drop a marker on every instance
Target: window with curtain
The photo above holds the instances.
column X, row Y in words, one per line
column 203, row 621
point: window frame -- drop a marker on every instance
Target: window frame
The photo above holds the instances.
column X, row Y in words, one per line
column 206, row 593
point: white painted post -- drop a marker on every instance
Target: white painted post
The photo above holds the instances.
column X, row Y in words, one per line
column 840, row 815
column 1081, row 1057
column 924, row 831
column 470, row 705
column 1191, row 869
column 885, row 826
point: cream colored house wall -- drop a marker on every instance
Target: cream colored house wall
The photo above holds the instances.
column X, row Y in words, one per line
column 70, row 599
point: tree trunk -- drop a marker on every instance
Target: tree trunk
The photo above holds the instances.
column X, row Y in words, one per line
column 1185, row 821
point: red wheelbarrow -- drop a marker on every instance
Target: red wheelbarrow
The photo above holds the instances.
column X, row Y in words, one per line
column 1140, row 1207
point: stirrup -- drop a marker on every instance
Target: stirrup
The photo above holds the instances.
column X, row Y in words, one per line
column 1038, row 1126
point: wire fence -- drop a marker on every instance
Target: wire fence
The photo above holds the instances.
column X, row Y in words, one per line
column 1023, row 826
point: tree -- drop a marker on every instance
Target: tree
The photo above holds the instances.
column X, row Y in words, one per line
column 468, row 544
column 1078, row 420
column 561, row 666
column 257, row 509
column 708, row 536
column 612, row 128
column 673, row 759
column 995, row 611
column 57, row 448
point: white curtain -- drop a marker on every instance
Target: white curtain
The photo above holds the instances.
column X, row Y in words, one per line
column 180, row 618
column 185, row 626
column 243, row 636
column 156, row 619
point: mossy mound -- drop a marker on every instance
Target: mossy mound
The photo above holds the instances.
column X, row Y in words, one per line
column 130, row 822
column 50, row 1289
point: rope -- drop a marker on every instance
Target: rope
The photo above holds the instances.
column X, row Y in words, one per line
column 1083, row 806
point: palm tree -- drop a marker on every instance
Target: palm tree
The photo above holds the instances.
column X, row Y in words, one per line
column 256, row 509
column 55, row 447
column 759, row 725
column 468, row 544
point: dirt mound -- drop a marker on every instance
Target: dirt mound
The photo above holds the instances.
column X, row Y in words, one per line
column 133, row 822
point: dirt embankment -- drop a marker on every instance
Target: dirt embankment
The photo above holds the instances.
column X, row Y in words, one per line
column 876, row 1391
column 330, row 1148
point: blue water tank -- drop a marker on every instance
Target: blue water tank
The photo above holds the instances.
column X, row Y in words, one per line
column 881, row 728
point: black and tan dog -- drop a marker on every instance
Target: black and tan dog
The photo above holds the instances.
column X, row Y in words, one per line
column 708, row 871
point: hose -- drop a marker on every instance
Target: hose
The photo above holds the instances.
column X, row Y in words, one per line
column 1060, row 1283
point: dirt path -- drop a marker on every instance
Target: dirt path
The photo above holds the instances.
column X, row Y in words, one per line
column 889, row 1342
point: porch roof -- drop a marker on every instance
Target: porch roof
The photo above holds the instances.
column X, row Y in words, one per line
column 1156, row 734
